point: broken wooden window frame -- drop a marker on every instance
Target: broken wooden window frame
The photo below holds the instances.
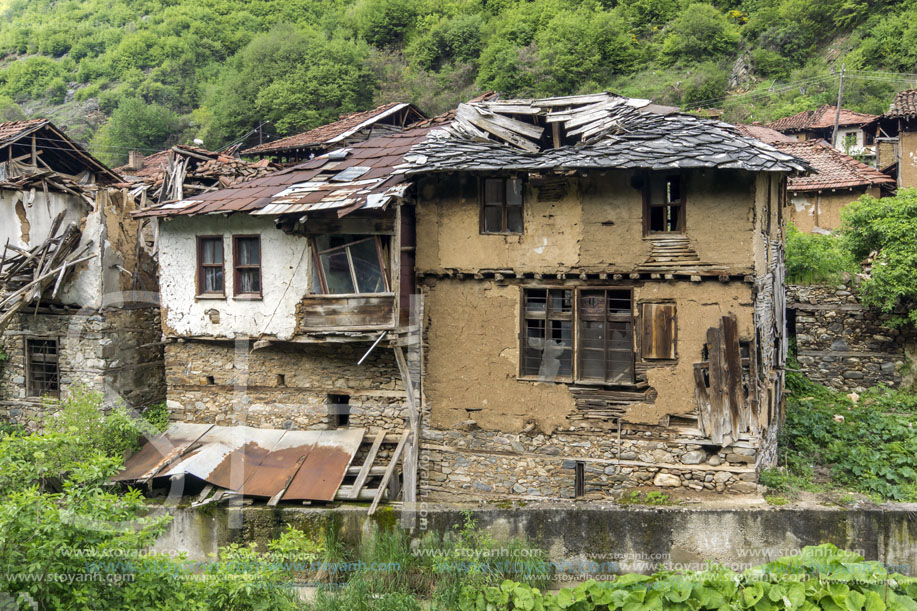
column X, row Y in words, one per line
column 238, row 268
column 668, row 202
column 42, row 353
column 608, row 317
column 576, row 376
column 503, row 204
column 549, row 317
column 201, row 267
column 346, row 249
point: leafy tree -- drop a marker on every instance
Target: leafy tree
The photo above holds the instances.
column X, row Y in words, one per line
column 699, row 32
column 385, row 22
column 885, row 228
column 30, row 77
column 706, row 82
column 135, row 124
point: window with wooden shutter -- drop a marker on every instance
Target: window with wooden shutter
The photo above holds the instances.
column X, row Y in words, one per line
column 658, row 339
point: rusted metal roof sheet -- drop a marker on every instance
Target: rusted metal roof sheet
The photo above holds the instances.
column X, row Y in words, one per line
column 344, row 180
column 310, row 465
column 820, row 118
column 158, row 451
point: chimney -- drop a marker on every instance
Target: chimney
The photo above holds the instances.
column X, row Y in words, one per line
column 135, row 160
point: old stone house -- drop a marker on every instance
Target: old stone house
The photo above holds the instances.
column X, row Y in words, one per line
column 856, row 131
column 551, row 298
column 77, row 285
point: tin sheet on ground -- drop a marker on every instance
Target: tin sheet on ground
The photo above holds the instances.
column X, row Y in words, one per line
column 310, row 465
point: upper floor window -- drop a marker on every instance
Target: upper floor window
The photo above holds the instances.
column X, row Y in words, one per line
column 501, row 205
column 210, row 265
column 246, row 252
column 664, row 206
column 850, row 140
column 347, row 264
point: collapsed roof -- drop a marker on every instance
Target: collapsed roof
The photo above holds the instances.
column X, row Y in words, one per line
column 832, row 168
column 820, row 118
column 52, row 149
column 600, row 131
column 351, row 127
column 361, row 176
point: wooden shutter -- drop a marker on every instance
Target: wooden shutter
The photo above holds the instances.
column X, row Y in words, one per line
column 658, row 330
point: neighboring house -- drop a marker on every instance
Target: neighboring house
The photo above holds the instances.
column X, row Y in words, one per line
column 855, row 134
column 573, row 295
column 817, row 198
column 73, row 277
column 349, row 129
column 897, row 141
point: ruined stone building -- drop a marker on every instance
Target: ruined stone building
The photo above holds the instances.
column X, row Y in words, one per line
column 897, row 139
column 546, row 299
column 77, row 285
column 350, row 128
column 856, row 132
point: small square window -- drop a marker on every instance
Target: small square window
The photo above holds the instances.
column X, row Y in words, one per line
column 664, row 210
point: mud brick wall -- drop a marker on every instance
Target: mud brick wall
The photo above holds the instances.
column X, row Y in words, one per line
column 116, row 352
column 486, row 464
column 845, row 345
column 283, row 385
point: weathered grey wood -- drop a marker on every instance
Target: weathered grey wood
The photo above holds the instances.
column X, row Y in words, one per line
column 367, row 465
column 317, row 313
column 388, row 472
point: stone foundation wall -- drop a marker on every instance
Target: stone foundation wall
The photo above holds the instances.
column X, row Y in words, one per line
column 283, row 385
column 116, row 352
column 487, row 464
column 843, row 344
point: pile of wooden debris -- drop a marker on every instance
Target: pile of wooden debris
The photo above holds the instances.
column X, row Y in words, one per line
column 26, row 275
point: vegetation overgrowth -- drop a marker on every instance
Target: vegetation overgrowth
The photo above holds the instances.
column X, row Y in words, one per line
column 155, row 72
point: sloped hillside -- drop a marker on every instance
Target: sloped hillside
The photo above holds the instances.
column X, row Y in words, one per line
column 145, row 73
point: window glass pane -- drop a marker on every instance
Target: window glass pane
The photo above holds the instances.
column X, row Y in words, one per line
column 514, row 192
column 592, row 305
column 673, row 190
column 533, row 347
column 337, row 272
column 562, row 301
column 493, row 191
column 535, row 300
column 514, row 219
column 619, row 302
column 213, row 280
column 212, row 251
column 249, row 281
column 249, row 251
column 657, row 218
column 367, row 267
column 493, row 219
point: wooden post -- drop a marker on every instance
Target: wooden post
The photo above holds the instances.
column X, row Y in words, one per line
column 411, row 456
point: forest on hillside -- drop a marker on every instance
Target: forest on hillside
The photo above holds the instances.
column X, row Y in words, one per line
column 144, row 74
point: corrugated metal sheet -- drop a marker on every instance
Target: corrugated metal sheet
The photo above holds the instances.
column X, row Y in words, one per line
column 255, row 462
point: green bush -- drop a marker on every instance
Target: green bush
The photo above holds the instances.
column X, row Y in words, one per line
column 821, row 577
column 813, row 258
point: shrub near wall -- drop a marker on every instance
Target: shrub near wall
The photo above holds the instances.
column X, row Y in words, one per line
column 821, row 577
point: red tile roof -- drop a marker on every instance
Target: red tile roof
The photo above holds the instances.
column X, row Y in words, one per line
column 69, row 155
column 11, row 130
column 332, row 131
column 820, row 118
column 904, row 106
column 832, row 169
column 318, row 184
column 763, row 133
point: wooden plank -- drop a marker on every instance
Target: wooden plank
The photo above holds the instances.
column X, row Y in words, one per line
column 367, row 465
column 352, row 312
column 413, row 450
column 717, row 392
column 658, row 331
column 388, row 472
column 733, row 366
column 471, row 117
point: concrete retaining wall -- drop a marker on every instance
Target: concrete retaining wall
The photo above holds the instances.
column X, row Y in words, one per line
column 593, row 538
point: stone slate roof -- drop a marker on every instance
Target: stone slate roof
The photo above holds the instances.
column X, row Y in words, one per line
column 832, row 168
column 597, row 131
column 820, row 118
column 361, row 176
column 904, row 106
column 340, row 129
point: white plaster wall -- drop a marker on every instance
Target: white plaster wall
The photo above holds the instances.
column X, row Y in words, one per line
column 84, row 287
column 857, row 149
column 285, row 271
